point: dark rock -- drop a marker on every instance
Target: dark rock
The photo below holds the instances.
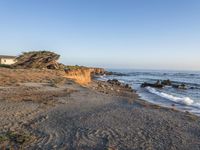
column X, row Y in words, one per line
column 115, row 73
column 166, row 82
column 182, row 86
column 119, row 74
column 127, row 86
column 122, row 85
column 108, row 73
column 161, row 84
column 114, row 82
column 187, row 112
column 155, row 85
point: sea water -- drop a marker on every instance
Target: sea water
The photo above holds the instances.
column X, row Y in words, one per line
column 183, row 99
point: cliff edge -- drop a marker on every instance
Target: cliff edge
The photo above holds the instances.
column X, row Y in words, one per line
column 83, row 75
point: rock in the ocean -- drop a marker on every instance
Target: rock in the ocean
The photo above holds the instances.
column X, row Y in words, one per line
column 166, row 82
column 182, row 86
column 161, row 84
column 155, row 85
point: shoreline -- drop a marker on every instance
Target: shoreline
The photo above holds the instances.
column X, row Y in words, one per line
column 97, row 116
column 142, row 101
column 163, row 88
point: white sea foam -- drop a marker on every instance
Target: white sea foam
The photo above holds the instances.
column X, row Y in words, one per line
column 103, row 78
column 197, row 105
column 182, row 100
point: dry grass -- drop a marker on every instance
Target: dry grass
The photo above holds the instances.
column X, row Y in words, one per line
column 10, row 77
column 34, row 94
column 57, row 82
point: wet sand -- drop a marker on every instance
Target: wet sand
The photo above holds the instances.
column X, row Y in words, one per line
column 97, row 116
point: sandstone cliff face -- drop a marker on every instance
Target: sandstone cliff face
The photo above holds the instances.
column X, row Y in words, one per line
column 83, row 75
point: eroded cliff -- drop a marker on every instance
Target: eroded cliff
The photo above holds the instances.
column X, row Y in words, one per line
column 83, row 75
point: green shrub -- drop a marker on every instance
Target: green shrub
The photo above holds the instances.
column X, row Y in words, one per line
column 73, row 67
column 5, row 66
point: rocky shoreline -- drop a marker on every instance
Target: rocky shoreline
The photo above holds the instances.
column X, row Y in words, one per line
column 56, row 113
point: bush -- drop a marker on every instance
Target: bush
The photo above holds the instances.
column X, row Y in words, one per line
column 74, row 67
column 5, row 66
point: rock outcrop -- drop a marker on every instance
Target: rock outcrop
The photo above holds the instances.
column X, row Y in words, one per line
column 39, row 60
column 83, row 75
column 161, row 84
column 166, row 82
column 158, row 84
column 115, row 82
column 98, row 71
column 181, row 86
column 115, row 73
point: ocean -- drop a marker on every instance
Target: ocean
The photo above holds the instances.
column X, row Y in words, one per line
column 182, row 99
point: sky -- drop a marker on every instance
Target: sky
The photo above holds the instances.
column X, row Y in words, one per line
column 140, row 34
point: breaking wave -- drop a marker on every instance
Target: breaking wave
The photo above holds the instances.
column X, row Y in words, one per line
column 182, row 100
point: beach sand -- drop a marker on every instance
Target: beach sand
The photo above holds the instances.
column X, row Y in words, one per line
column 97, row 116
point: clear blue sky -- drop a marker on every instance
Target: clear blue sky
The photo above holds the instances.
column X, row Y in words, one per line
column 150, row 34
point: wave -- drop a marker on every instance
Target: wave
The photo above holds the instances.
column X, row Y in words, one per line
column 197, row 105
column 182, row 100
column 102, row 78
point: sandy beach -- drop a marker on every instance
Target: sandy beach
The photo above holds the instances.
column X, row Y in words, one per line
column 97, row 116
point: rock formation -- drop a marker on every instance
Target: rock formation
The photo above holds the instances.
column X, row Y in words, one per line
column 38, row 59
column 166, row 82
column 82, row 75
column 115, row 82
column 181, row 86
column 158, row 84
column 98, row 71
column 161, row 84
column 48, row 60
